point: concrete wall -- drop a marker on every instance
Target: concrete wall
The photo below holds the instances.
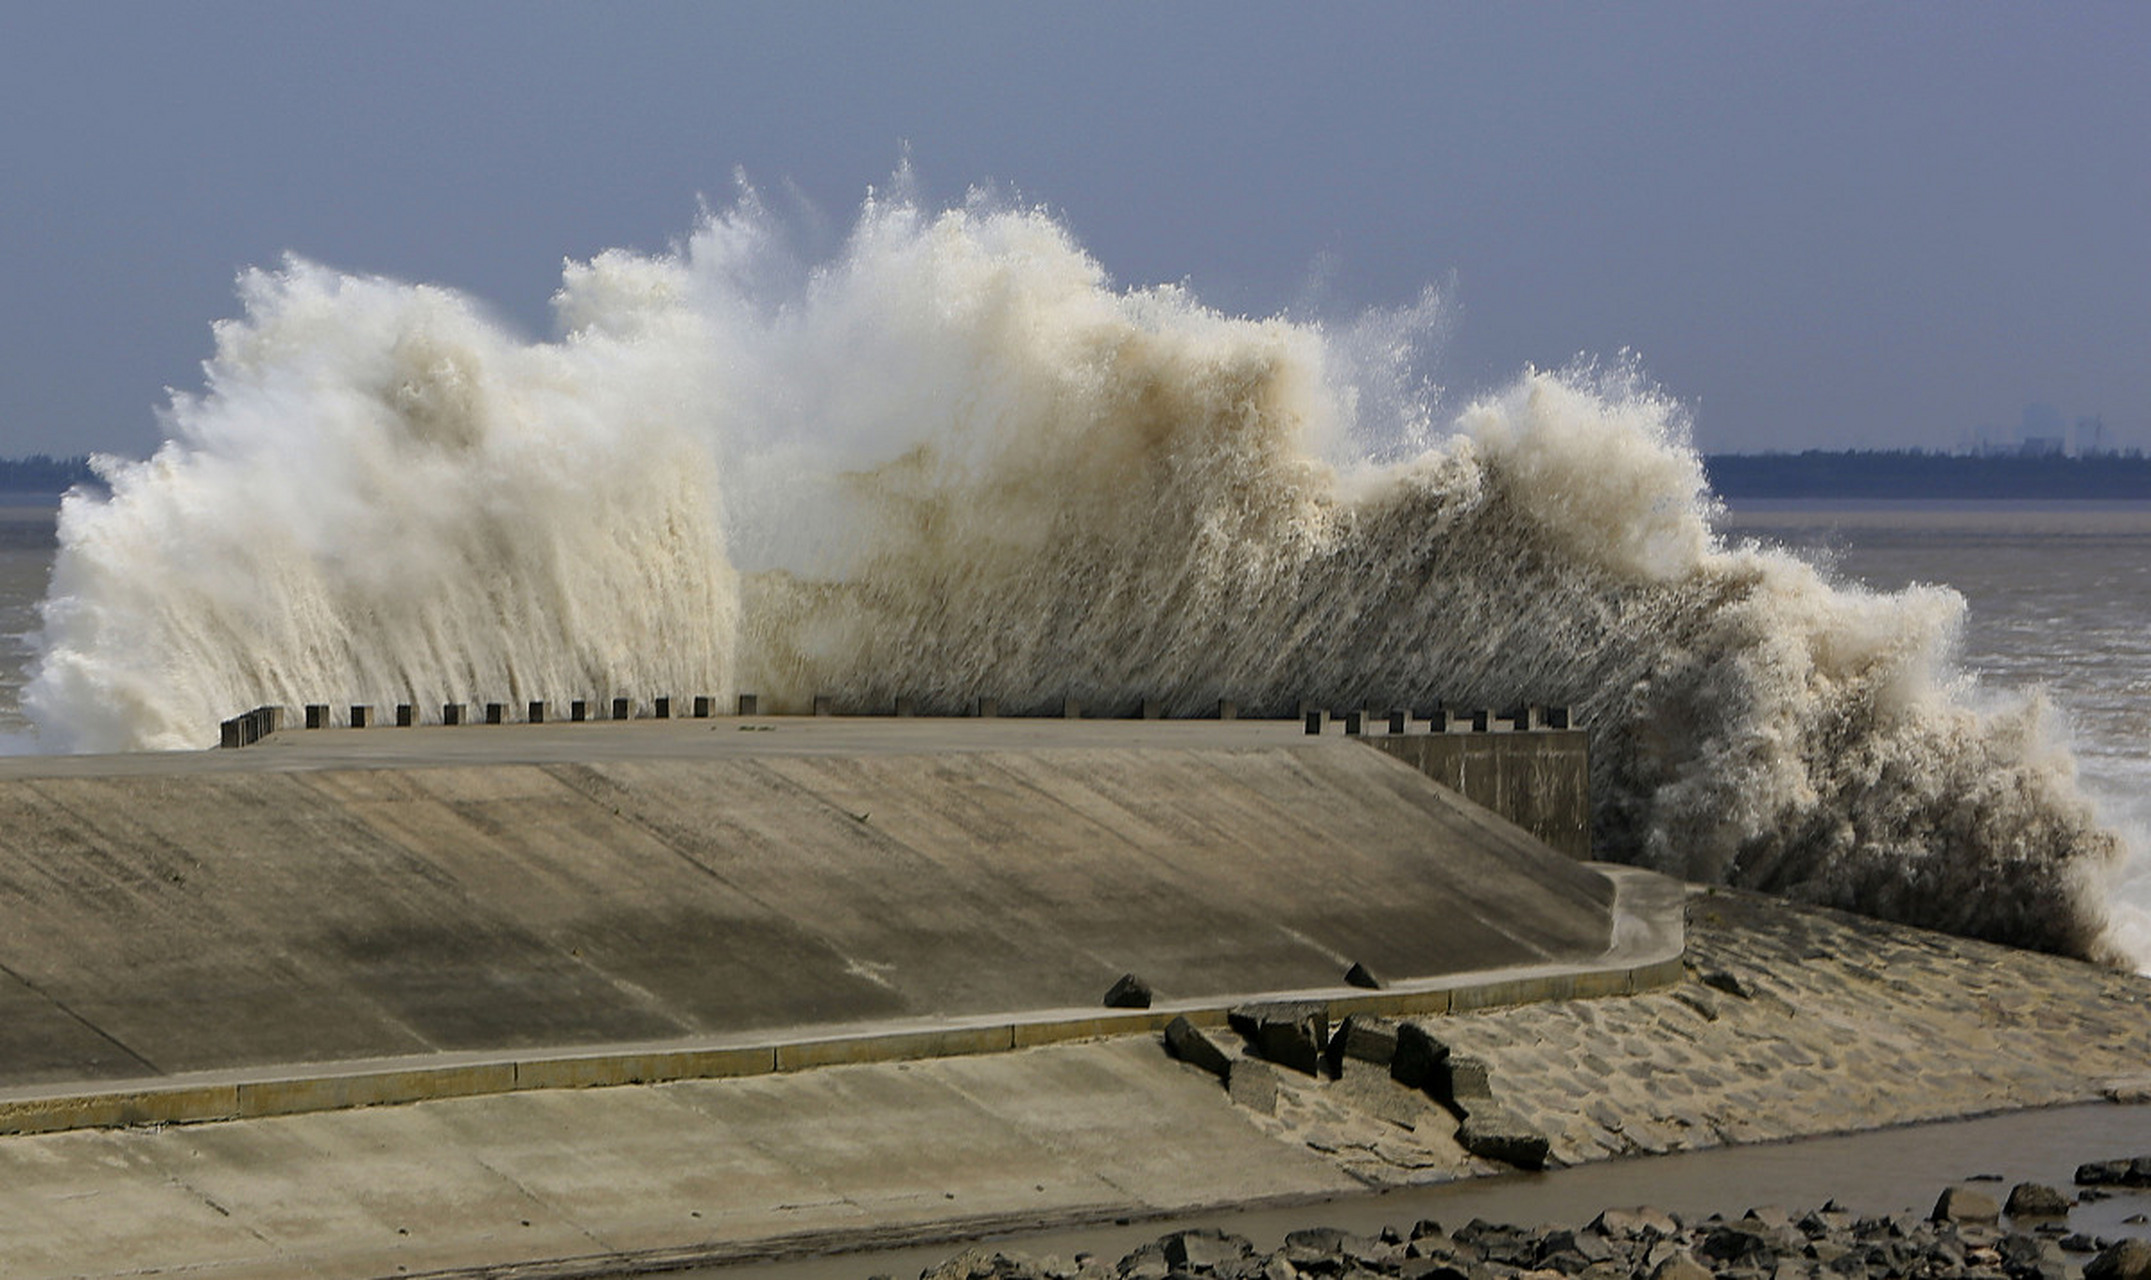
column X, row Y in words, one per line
column 1539, row 779
column 206, row 920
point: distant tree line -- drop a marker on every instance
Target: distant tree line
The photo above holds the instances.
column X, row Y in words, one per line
column 41, row 474
column 1914, row 473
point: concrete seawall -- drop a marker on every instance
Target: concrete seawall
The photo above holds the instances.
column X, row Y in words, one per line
column 186, row 922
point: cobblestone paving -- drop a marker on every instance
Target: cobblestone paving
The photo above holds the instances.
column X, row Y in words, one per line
column 1791, row 1021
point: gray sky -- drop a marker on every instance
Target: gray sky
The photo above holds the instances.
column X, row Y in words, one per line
column 1819, row 225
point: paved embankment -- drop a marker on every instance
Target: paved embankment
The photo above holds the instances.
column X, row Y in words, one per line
column 1892, row 1025
column 193, row 921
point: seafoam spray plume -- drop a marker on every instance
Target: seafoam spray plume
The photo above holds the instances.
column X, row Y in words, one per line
column 956, row 462
column 381, row 498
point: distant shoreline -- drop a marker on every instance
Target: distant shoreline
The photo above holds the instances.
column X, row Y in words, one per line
column 1815, row 473
column 1914, row 475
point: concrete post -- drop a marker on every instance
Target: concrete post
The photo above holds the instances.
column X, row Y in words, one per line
column 702, row 707
column 1481, row 720
column 317, row 715
column 230, row 733
column 578, row 711
column 1557, row 718
column 824, row 705
column 406, row 715
column 1355, row 723
column 661, row 708
column 1151, row 709
column 749, row 704
column 1071, row 709
column 1227, row 709
column 620, row 708
column 537, row 713
column 1317, row 722
column 360, row 716
column 1400, row 721
column 451, row 713
column 986, row 708
column 907, row 706
column 492, row 712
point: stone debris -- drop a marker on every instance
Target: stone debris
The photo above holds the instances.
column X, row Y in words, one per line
column 1290, row 1033
column 1130, row 992
column 1620, row 1244
column 2115, row 1173
column 2037, row 1200
column 1365, row 1038
column 1186, row 1041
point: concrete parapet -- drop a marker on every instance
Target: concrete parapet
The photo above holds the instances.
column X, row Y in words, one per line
column 661, row 708
column 1355, row 723
column 1317, row 722
column 537, row 712
column 1541, row 780
column 317, row 715
column 406, row 715
column 493, row 712
column 578, row 711
column 251, row 727
column 360, row 716
column 702, row 707
column 622, row 708
column 451, row 713
column 1400, row 721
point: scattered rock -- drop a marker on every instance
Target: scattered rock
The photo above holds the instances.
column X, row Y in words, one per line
column 2128, row 1259
column 1130, row 992
column 1205, row 1250
column 1253, row 1085
column 1290, row 1033
column 2037, row 1200
column 1186, row 1041
column 1680, row 1265
column 1358, row 976
column 1419, row 1056
column 1493, row 1133
column 1366, row 1038
column 1463, row 1083
column 1962, row 1204
column 1729, row 982
column 2115, row 1173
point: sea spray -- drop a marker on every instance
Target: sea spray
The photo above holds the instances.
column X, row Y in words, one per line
column 953, row 461
column 380, row 498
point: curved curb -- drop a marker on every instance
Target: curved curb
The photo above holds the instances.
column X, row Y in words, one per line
column 1648, row 943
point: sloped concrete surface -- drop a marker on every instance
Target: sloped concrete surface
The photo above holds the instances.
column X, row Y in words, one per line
column 180, row 922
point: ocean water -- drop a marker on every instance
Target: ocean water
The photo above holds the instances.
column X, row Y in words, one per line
column 952, row 458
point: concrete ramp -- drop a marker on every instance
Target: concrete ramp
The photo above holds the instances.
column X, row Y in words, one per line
column 217, row 919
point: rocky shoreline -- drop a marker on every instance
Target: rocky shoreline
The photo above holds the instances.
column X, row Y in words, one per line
column 1969, row 1235
column 1792, row 1022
